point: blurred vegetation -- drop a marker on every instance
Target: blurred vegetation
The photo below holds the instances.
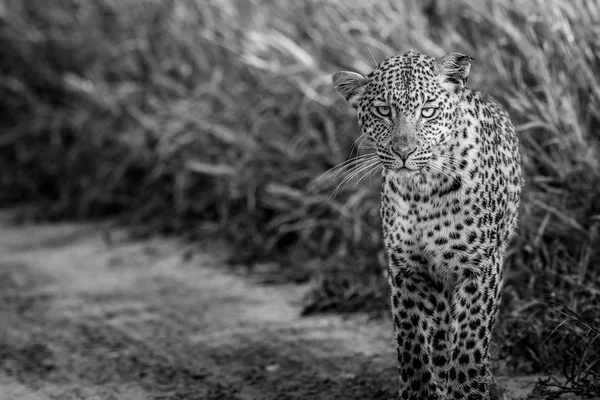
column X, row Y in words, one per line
column 218, row 116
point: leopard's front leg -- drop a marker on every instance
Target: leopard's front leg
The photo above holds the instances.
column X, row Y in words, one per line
column 418, row 311
column 474, row 306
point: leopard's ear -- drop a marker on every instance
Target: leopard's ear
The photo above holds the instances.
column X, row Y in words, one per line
column 351, row 85
column 453, row 70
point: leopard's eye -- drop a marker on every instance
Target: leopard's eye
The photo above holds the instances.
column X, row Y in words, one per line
column 429, row 112
column 383, row 111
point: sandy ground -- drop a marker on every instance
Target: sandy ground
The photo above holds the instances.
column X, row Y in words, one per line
column 82, row 318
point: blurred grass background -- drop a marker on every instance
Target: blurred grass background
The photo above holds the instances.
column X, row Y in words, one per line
column 216, row 117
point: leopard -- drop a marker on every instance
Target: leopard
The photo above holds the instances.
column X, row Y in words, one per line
column 451, row 185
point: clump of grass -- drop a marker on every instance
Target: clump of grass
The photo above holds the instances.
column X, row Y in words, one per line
column 217, row 117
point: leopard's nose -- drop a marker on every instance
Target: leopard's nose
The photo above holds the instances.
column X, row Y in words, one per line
column 404, row 152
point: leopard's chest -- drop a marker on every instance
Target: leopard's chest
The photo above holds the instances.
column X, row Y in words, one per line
column 437, row 233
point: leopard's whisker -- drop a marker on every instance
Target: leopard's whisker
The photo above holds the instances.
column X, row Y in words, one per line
column 358, row 170
column 335, row 170
column 369, row 173
column 362, row 144
column 358, row 167
column 359, row 161
column 377, row 170
column 352, row 174
column 357, row 143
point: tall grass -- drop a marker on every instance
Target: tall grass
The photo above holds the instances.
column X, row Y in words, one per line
column 218, row 116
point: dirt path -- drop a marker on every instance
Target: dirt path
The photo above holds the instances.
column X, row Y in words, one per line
column 82, row 319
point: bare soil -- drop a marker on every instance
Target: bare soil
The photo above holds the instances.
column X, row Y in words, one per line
column 83, row 317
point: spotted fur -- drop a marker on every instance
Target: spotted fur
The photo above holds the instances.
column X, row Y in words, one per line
column 450, row 194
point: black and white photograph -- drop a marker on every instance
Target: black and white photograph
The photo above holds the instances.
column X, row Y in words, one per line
column 299, row 200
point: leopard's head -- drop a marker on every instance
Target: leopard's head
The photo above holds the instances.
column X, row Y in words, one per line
column 409, row 106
